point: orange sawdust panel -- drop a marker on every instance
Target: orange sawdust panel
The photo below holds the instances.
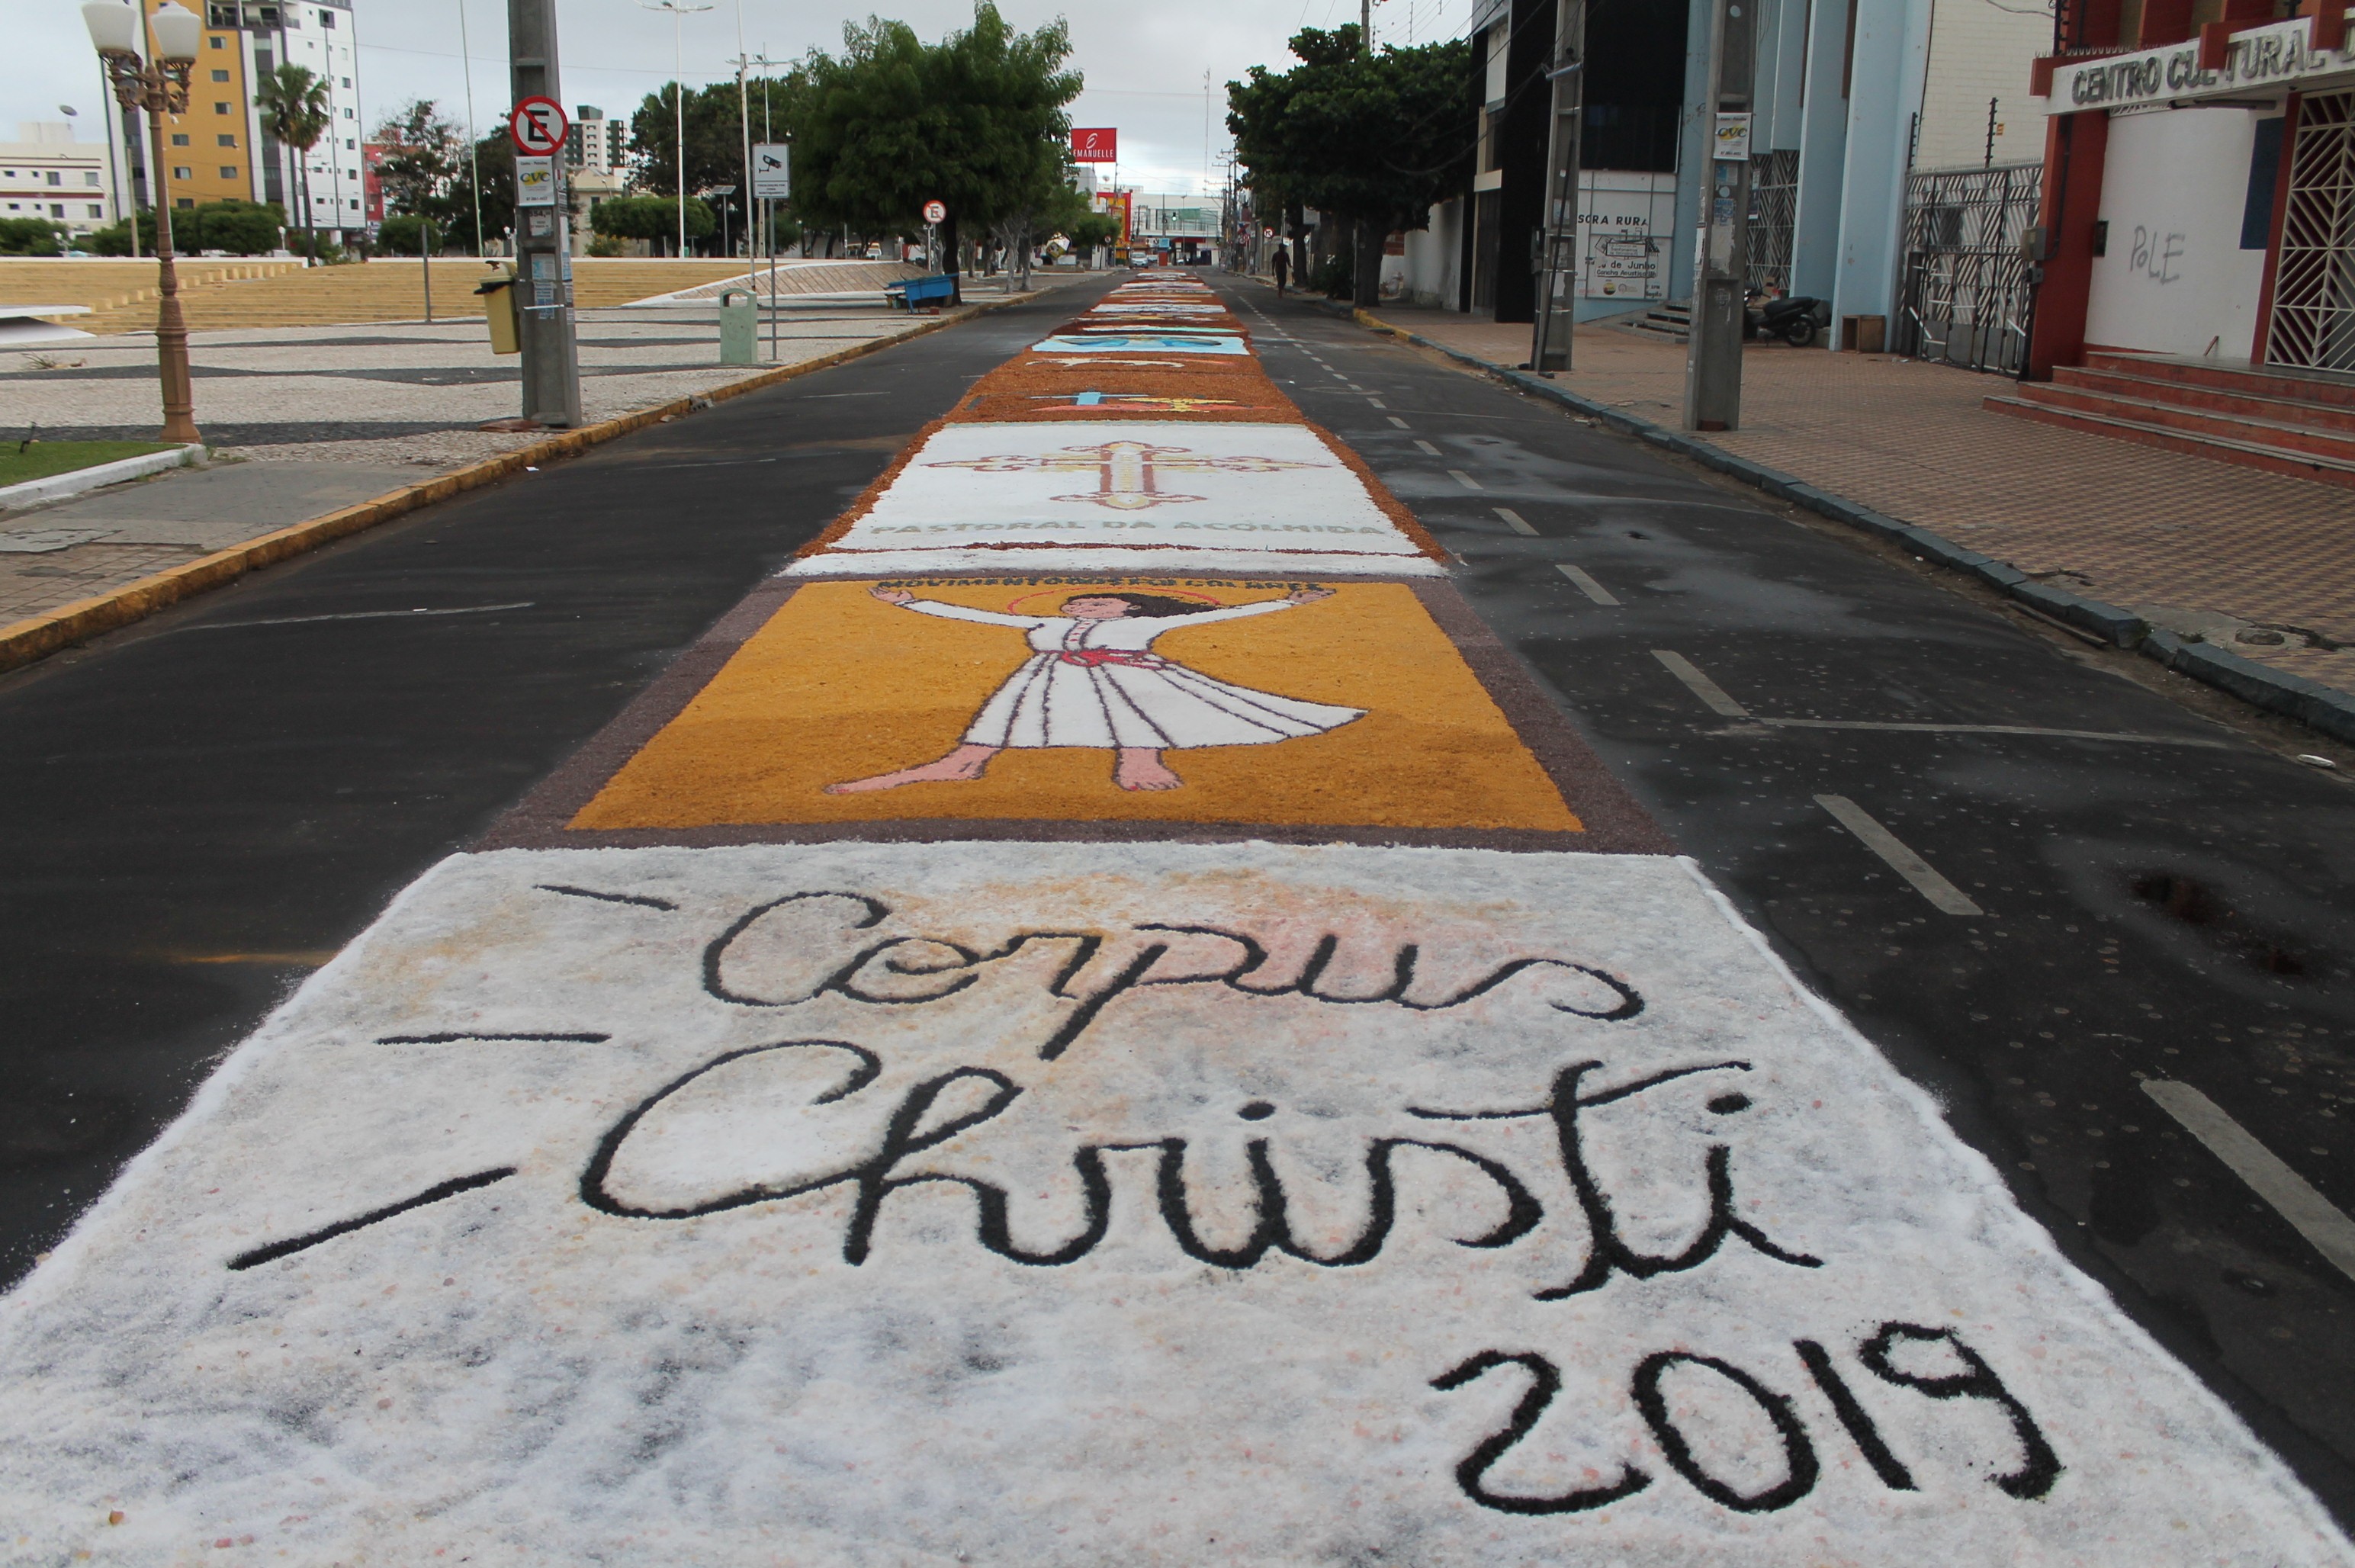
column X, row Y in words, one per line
column 1347, row 706
column 1013, row 392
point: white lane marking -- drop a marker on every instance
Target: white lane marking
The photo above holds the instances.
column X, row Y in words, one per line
column 1942, row 893
column 1587, row 585
column 1711, row 694
column 2001, row 730
column 1426, row 446
column 1399, row 423
column 1378, row 402
column 2292, row 1196
column 1515, row 521
column 355, row 615
column 1464, row 479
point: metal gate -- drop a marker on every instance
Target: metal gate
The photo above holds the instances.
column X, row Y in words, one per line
column 1773, row 214
column 2314, row 281
column 1966, row 288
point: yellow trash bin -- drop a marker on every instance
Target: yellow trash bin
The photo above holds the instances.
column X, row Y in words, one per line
column 498, row 306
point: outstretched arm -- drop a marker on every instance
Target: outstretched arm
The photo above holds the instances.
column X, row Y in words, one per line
column 907, row 601
column 1264, row 607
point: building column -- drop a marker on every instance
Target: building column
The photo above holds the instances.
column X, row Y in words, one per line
column 1889, row 62
column 2075, row 145
column 1525, row 137
column 1823, row 150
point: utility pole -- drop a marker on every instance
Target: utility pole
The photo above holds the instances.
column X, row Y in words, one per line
column 551, row 358
column 1713, row 361
column 1557, row 312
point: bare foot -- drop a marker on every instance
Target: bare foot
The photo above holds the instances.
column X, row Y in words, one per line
column 1140, row 769
column 963, row 765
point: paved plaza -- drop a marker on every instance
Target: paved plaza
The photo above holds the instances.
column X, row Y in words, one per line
column 386, row 402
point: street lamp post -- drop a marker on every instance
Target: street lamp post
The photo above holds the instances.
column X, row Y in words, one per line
column 156, row 86
column 678, row 99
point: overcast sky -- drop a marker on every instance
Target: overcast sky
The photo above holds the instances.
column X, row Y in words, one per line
column 1144, row 59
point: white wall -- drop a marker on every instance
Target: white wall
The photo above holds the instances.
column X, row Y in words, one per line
column 1980, row 51
column 1427, row 272
column 2174, row 277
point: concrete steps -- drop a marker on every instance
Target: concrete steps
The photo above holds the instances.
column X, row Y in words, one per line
column 2303, row 426
column 1672, row 322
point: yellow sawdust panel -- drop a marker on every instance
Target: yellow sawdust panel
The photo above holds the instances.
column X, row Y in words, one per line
column 842, row 686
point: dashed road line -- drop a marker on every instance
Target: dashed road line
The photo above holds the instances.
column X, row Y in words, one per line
column 1426, row 446
column 1515, row 521
column 1465, row 479
column 2001, row 730
column 355, row 615
column 1399, row 423
column 1943, row 894
column 1712, row 696
column 2294, row 1198
column 1587, row 585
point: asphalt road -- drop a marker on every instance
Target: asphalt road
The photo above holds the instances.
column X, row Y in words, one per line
column 2180, row 907
column 202, row 808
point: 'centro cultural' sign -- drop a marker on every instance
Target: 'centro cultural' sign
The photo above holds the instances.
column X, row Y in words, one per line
column 2279, row 55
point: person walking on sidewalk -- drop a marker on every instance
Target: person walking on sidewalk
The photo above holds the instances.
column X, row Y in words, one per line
column 1282, row 268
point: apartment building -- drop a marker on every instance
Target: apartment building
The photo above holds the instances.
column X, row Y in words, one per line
column 44, row 173
column 219, row 148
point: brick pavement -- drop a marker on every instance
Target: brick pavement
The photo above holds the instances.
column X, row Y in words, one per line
column 2191, row 544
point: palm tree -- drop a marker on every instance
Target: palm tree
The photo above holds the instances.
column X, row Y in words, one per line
column 294, row 110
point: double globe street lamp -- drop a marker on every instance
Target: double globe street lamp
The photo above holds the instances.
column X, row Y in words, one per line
column 155, row 82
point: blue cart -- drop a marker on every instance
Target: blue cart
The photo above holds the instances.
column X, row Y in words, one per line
column 922, row 293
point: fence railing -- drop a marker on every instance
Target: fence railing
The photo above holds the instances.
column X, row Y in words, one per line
column 1966, row 290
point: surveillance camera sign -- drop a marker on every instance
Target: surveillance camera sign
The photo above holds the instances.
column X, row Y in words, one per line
column 772, row 170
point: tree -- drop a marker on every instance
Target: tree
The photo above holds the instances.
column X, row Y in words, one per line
column 494, row 157
column 1371, row 138
column 653, row 218
column 31, row 236
column 424, row 153
column 295, row 113
column 977, row 121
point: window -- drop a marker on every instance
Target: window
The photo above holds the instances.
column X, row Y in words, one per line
column 182, row 172
column 348, row 81
column 55, row 178
column 179, row 138
column 96, row 210
column 218, row 41
column 220, row 108
column 184, row 202
column 347, row 113
column 56, row 210
column 89, row 176
column 229, row 171
column 226, row 141
column 221, row 76
column 327, row 18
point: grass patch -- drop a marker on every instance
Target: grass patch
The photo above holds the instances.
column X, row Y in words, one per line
column 44, row 458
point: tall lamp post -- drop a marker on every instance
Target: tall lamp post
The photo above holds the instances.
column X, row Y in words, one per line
column 156, row 89
column 678, row 99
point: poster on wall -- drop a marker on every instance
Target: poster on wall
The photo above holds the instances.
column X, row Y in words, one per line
column 1622, row 222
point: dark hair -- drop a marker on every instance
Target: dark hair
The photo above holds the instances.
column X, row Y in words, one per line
column 1149, row 603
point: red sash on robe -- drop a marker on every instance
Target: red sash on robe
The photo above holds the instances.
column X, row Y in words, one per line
column 1090, row 657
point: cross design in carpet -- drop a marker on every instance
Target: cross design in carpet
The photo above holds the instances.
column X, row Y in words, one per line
column 1128, row 472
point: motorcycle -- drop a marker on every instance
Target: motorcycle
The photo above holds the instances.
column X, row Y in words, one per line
column 1796, row 319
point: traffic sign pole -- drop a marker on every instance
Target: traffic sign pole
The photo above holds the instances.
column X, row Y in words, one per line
column 544, row 321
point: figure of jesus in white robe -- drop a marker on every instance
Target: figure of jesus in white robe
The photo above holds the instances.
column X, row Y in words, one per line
column 1092, row 680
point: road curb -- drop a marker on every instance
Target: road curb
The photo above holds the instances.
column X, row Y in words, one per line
column 2309, row 702
column 57, row 486
column 23, row 642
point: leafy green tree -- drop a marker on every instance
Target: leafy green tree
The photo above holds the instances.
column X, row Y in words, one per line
column 977, row 122
column 495, row 156
column 653, row 218
column 715, row 139
column 239, row 228
column 401, row 234
column 30, row 237
column 1371, row 138
column 295, row 113
column 423, row 155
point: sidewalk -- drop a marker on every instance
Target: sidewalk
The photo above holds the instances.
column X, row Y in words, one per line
column 325, row 417
column 2254, row 563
